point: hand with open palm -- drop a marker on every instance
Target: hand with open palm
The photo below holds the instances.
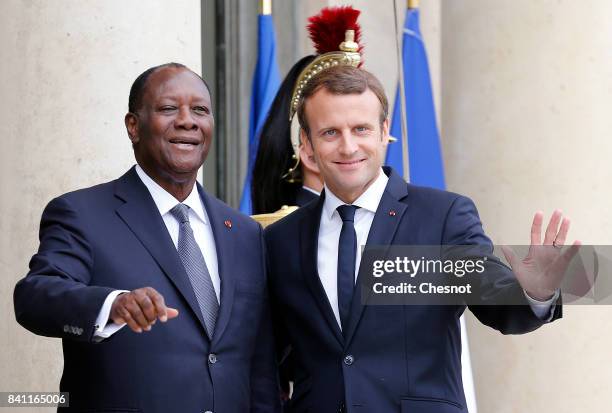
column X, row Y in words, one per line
column 542, row 271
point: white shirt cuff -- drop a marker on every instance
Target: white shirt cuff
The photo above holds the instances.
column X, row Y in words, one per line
column 543, row 309
column 104, row 327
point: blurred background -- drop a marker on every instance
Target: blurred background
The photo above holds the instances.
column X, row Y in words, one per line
column 523, row 98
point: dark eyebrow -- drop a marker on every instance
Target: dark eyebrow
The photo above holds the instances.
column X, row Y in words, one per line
column 194, row 98
column 364, row 124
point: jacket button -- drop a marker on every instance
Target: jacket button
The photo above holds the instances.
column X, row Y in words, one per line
column 348, row 360
column 208, row 411
column 212, row 358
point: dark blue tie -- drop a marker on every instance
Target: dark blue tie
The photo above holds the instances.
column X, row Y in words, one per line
column 197, row 271
column 347, row 253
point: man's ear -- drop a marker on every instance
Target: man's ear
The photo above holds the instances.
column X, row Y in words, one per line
column 385, row 132
column 307, row 159
column 131, row 124
column 305, row 144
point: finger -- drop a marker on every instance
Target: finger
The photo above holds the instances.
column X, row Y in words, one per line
column 551, row 229
column 132, row 324
column 562, row 234
column 172, row 312
column 136, row 313
column 559, row 266
column 159, row 303
column 536, row 228
column 147, row 308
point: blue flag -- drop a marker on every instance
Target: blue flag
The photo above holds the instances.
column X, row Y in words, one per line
column 266, row 81
column 425, row 158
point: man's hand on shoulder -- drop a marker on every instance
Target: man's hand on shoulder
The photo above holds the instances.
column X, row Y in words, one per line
column 542, row 271
column 140, row 308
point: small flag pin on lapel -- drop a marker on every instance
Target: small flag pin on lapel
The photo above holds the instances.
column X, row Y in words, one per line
column 392, row 213
column 228, row 224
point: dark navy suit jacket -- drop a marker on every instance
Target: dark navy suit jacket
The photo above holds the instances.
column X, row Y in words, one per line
column 304, row 196
column 391, row 358
column 111, row 236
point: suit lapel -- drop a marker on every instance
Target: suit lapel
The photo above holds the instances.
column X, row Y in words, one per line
column 309, row 235
column 382, row 232
column 142, row 216
column 224, row 245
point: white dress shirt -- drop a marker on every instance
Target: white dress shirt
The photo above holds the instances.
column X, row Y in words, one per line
column 202, row 231
column 329, row 236
column 309, row 189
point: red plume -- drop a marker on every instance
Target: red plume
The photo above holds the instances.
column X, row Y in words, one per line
column 328, row 27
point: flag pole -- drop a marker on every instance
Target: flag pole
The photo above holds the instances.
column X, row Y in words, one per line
column 265, row 7
column 266, row 80
column 413, row 4
column 402, row 96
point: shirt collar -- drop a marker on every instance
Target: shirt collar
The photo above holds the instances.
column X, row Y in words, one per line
column 165, row 201
column 369, row 200
column 309, row 189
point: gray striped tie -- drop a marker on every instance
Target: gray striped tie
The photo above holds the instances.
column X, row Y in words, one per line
column 196, row 269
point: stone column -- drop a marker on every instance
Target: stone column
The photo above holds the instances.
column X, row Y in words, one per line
column 66, row 72
column 526, row 92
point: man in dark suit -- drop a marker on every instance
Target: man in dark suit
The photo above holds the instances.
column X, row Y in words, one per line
column 356, row 358
column 153, row 245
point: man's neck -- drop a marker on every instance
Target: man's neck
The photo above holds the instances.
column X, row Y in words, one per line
column 179, row 188
column 312, row 182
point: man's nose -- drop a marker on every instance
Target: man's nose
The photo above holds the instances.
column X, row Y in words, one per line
column 184, row 119
column 348, row 145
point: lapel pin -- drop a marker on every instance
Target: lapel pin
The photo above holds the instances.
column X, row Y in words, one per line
column 228, row 224
column 392, row 213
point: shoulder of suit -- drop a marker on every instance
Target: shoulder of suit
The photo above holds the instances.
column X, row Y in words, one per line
column 90, row 193
column 417, row 193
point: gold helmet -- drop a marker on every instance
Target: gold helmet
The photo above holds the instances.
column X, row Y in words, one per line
column 277, row 174
column 336, row 36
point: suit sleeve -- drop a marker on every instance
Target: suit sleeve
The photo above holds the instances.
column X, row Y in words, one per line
column 55, row 299
column 501, row 302
column 265, row 392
